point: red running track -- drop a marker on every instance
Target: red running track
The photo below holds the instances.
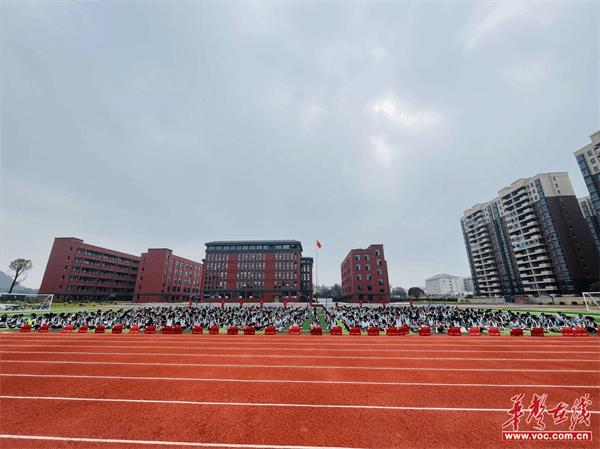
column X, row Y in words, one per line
column 284, row 392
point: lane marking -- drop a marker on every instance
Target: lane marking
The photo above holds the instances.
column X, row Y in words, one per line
column 370, row 368
column 288, row 356
column 289, row 381
column 320, row 348
column 165, row 443
column 263, row 404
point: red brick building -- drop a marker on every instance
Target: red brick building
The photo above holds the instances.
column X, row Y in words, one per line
column 77, row 271
column 365, row 275
column 164, row 277
column 268, row 270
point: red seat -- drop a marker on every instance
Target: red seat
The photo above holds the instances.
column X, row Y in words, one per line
column 213, row 330
column 425, row 331
column 316, row 331
column 537, row 332
column 177, row 329
column 67, row 329
column 166, row 330
column 233, row 330
column 135, row 329
column 580, row 332
column 454, row 331
column 197, row 329
column 335, row 330
column 117, row 329
column 516, row 332
column 249, row 330
column 83, row 329
column 44, row 328
column 100, row 329
column 26, row 328
column 372, row 330
column 494, row 332
column 294, row 330
column 391, row 330
column 567, row 331
column 403, row 330
column 150, row 329
column 355, row 330
column 474, row 332
column 270, row 330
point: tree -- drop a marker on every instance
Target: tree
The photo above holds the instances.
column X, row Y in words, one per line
column 399, row 292
column 20, row 267
column 336, row 291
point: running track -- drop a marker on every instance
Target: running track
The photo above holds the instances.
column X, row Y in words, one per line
column 283, row 392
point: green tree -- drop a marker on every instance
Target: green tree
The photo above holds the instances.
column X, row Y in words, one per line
column 19, row 267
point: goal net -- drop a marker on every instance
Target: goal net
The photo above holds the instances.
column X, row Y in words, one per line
column 24, row 301
column 591, row 299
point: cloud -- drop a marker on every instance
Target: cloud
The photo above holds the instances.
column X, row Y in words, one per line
column 403, row 114
column 528, row 73
column 383, row 153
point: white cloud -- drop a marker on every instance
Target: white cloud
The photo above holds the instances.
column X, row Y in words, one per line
column 312, row 115
column 528, row 74
column 382, row 151
column 403, row 114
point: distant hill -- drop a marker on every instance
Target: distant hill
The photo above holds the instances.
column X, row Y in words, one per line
column 6, row 280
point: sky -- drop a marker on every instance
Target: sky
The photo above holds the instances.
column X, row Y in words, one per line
column 170, row 124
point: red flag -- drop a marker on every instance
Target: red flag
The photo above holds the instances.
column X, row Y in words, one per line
column 318, row 244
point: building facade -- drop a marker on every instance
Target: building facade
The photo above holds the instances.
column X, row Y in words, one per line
column 77, row 271
column 532, row 239
column 267, row 270
column 365, row 275
column 591, row 218
column 165, row 277
column 588, row 159
column 445, row 284
column 468, row 285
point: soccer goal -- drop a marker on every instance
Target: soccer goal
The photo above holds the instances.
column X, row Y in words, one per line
column 591, row 298
column 25, row 301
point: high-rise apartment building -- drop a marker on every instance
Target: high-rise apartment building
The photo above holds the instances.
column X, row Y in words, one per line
column 531, row 239
column 591, row 218
column 268, row 270
column 588, row 159
column 365, row 275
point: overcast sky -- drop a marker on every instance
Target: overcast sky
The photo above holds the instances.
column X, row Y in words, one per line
column 136, row 125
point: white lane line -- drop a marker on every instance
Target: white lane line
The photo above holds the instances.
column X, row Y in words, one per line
column 271, row 348
column 164, row 443
column 300, row 381
column 262, row 404
column 291, row 356
column 317, row 367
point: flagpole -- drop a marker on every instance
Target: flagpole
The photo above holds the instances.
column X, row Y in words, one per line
column 317, row 266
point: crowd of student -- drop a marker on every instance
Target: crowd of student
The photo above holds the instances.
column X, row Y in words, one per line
column 186, row 317
column 439, row 318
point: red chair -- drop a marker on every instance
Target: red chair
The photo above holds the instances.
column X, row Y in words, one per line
column 537, row 332
column 335, row 330
column 249, row 330
column 83, row 329
column 391, row 330
column 403, row 330
column 177, row 329
column 294, row 330
column 425, row 331
column 150, row 329
column 213, row 330
column 355, row 331
column 372, row 330
column 166, row 330
column 316, row 331
column 454, row 331
column 44, row 328
column 197, row 330
column 117, row 329
column 135, row 329
column 67, row 329
column 100, row 329
column 567, row 331
column 516, row 332
column 580, row 332
column 233, row 330
column 474, row 332
column 494, row 332
column 270, row 330
column 26, row 327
